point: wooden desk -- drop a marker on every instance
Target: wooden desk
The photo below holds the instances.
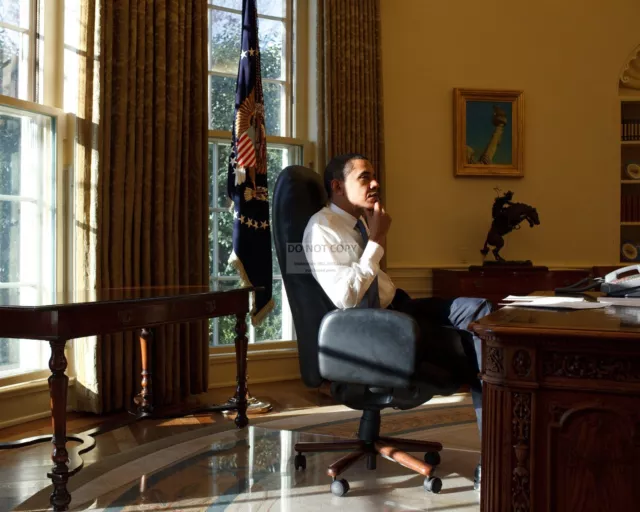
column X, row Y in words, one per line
column 561, row 410
column 66, row 320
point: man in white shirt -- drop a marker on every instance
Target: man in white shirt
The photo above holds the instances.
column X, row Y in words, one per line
column 344, row 255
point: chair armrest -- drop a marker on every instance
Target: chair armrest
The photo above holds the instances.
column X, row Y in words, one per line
column 375, row 347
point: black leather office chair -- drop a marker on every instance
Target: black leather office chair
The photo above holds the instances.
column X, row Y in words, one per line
column 367, row 355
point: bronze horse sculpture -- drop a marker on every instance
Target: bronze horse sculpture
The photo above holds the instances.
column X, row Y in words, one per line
column 507, row 217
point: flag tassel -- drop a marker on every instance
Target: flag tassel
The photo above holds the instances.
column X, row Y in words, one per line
column 257, row 317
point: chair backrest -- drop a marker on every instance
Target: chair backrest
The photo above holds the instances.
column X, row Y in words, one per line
column 298, row 194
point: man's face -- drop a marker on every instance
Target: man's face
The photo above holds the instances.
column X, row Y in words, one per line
column 360, row 186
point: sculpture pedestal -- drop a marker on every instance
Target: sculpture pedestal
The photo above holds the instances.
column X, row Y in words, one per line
column 508, row 263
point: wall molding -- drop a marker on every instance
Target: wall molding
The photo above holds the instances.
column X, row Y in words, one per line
column 416, row 281
column 263, row 366
column 28, row 401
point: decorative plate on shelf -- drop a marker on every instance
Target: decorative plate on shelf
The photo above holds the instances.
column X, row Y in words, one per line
column 629, row 251
column 633, row 171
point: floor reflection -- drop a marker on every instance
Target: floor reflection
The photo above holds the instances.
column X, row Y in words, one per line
column 252, row 470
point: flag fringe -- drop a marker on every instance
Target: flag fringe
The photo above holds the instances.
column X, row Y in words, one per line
column 257, row 317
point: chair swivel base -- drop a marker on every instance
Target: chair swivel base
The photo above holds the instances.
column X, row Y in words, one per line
column 391, row 448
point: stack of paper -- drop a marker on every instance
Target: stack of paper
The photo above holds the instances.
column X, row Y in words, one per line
column 551, row 302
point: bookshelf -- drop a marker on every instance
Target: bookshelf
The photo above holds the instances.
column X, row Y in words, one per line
column 629, row 176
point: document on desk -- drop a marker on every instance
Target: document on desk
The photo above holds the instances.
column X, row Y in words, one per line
column 534, row 301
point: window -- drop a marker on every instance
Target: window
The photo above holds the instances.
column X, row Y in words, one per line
column 28, row 160
column 278, row 325
column 275, row 34
column 21, row 24
column 30, row 182
column 275, row 38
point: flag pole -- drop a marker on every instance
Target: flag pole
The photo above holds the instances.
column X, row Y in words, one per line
column 248, row 185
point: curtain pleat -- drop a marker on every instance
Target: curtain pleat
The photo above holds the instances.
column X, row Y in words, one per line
column 147, row 182
column 349, row 80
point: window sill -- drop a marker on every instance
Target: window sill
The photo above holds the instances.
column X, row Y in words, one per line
column 266, row 362
column 263, row 346
column 23, row 378
column 35, row 385
column 27, row 401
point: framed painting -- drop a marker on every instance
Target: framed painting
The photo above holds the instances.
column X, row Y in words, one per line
column 489, row 132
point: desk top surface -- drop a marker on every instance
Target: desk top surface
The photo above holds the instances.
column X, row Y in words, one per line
column 30, row 298
column 615, row 321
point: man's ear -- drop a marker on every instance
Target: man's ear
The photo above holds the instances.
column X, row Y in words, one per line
column 337, row 187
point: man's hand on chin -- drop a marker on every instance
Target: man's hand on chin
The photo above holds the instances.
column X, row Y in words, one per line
column 379, row 223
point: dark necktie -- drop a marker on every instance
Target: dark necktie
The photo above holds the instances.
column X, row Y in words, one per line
column 371, row 298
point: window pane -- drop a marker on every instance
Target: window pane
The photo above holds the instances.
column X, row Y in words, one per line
column 271, row 327
column 277, row 159
column 224, row 150
column 223, row 101
column 15, row 12
column 225, row 243
column 9, row 155
column 273, row 108
column 11, row 214
column 271, row 35
column 72, row 23
column 269, row 7
column 272, row 7
column 9, row 354
column 212, row 244
column 14, row 63
column 27, row 236
column 39, row 61
column 212, row 170
column 225, row 325
column 225, row 29
column 231, row 4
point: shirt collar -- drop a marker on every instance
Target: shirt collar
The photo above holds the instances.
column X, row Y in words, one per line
column 346, row 216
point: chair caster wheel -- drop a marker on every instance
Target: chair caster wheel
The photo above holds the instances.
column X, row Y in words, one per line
column 432, row 458
column 300, row 462
column 432, row 484
column 339, row 487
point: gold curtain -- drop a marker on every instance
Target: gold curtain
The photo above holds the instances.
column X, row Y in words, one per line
column 349, row 80
column 142, row 173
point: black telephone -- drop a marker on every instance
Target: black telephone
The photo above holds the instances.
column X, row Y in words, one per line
column 624, row 282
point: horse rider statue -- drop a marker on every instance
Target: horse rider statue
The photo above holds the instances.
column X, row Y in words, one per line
column 507, row 216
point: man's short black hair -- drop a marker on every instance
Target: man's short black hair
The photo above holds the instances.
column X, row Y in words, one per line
column 338, row 168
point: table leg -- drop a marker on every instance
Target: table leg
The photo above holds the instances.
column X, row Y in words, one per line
column 241, row 367
column 58, row 383
column 144, row 402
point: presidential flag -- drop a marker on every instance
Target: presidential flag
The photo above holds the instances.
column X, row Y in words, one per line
column 247, row 178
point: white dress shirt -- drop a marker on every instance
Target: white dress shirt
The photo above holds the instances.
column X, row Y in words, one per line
column 333, row 248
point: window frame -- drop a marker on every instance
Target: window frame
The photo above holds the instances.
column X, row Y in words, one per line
column 288, row 329
column 62, row 180
column 294, row 120
column 287, row 83
column 50, row 94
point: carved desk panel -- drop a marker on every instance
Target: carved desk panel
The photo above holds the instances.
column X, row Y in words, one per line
column 561, row 410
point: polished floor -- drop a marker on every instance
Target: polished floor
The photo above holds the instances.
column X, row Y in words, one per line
column 215, row 468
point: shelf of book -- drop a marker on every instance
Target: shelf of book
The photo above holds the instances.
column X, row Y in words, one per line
column 629, row 175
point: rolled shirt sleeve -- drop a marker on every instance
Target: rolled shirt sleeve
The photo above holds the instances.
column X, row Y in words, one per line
column 344, row 277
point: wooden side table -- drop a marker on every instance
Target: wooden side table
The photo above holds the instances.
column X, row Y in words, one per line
column 60, row 322
column 495, row 283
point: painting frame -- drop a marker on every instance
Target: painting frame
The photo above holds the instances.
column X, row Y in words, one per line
column 472, row 120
